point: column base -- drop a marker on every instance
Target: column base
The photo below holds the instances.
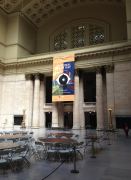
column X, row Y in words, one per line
column 54, row 126
column 76, row 128
column 100, row 129
column 74, row 171
column 22, row 127
column 35, row 127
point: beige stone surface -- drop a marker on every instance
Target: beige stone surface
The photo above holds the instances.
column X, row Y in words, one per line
column 20, row 40
column 122, row 89
column 13, row 98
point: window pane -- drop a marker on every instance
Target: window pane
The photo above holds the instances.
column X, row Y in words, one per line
column 60, row 41
column 78, row 36
column 96, row 34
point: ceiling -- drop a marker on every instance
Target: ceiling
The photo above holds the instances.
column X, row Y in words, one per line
column 39, row 11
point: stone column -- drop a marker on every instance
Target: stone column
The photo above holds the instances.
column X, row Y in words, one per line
column 60, row 114
column 99, row 99
column 110, row 93
column 29, row 100
column 1, row 84
column 42, row 101
column 76, row 109
column 81, row 102
column 128, row 15
column 55, row 115
column 36, row 103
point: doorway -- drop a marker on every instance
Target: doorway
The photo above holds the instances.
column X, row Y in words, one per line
column 48, row 116
column 121, row 120
column 90, row 120
column 68, row 120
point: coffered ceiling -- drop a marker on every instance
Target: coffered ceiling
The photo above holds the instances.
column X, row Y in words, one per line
column 39, row 11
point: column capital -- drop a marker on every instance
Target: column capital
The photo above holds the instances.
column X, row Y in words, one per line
column 42, row 76
column 29, row 76
column 77, row 71
column 109, row 68
column 38, row 76
column 98, row 69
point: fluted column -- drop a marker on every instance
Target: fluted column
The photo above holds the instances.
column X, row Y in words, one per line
column 42, row 101
column 81, row 101
column 55, row 115
column 99, row 99
column 110, row 94
column 128, row 16
column 36, row 103
column 76, row 110
column 29, row 100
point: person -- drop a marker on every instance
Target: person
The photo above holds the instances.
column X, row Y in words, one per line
column 126, row 129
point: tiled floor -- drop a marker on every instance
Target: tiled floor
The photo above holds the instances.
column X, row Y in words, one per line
column 111, row 163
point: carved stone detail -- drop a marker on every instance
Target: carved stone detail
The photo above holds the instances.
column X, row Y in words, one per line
column 38, row 76
column 29, row 76
column 42, row 6
column 109, row 68
column 76, row 72
column 98, row 69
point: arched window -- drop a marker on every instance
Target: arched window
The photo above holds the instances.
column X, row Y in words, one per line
column 79, row 34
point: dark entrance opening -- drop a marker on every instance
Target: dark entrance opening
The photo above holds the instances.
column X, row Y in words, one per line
column 48, row 89
column 90, row 120
column 89, row 83
column 121, row 120
column 48, row 116
column 18, row 119
column 68, row 120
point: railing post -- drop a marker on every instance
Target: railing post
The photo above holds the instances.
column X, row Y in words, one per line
column 74, row 161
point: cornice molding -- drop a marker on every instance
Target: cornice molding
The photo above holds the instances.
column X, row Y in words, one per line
column 89, row 53
column 40, row 61
column 104, row 53
column 16, row 44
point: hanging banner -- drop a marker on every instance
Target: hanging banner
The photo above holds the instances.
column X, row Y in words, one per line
column 63, row 79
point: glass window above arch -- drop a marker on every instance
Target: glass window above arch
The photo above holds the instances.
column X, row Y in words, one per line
column 80, row 34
